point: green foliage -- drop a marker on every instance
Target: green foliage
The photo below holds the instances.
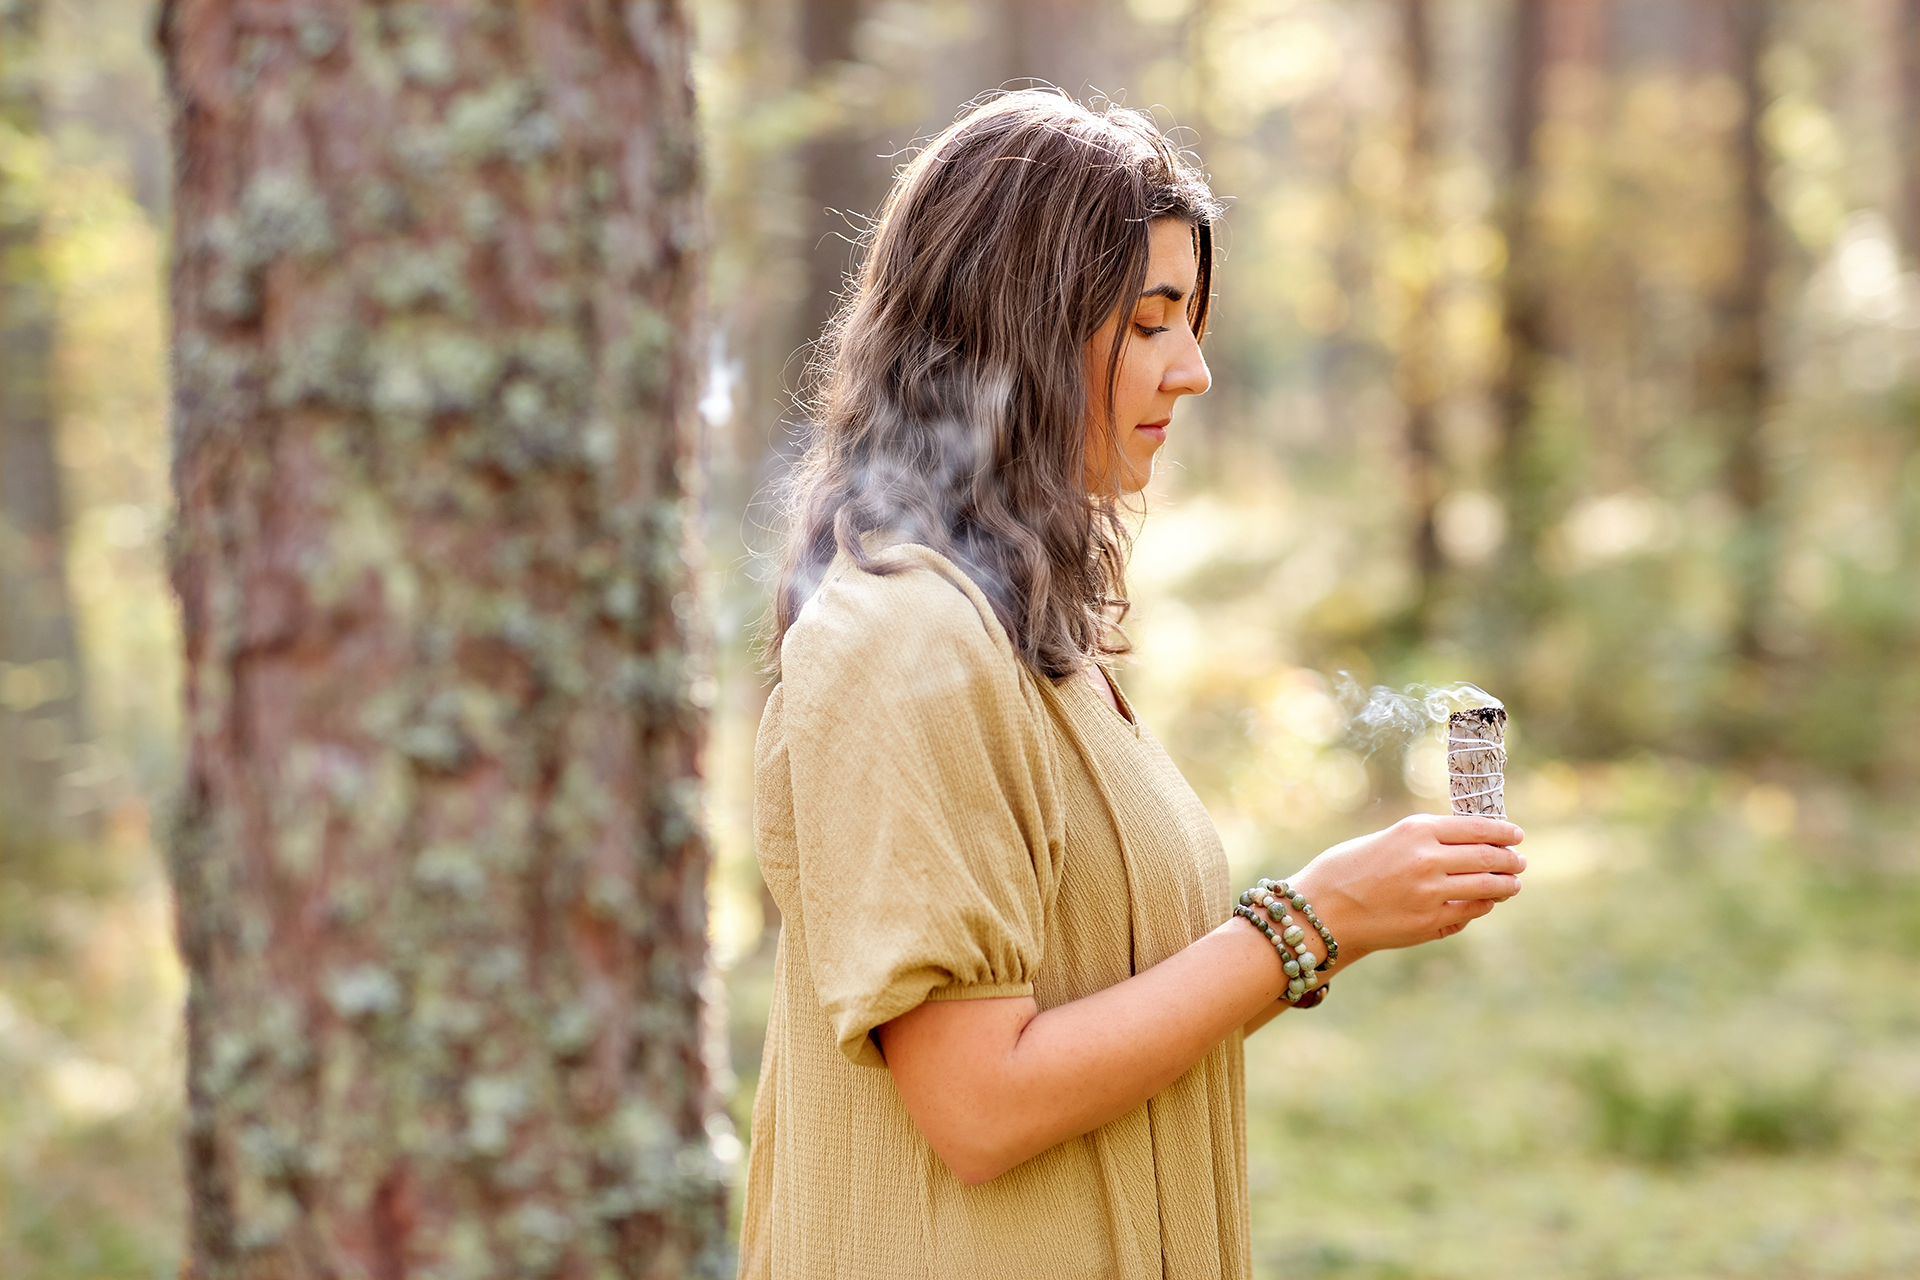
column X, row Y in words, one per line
column 1661, row 1128
column 1677, row 1124
column 1783, row 1121
column 1624, row 1072
column 89, row 1065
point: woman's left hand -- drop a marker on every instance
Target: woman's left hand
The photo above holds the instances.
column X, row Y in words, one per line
column 1423, row 878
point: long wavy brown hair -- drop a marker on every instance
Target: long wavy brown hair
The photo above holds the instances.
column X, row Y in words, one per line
column 950, row 400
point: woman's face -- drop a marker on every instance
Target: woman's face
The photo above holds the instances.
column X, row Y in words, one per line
column 1160, row 362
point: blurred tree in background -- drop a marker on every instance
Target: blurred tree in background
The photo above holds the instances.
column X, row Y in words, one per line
column 1567, row 346
column 90, row 1072
column 437, row 851
column 41, row 717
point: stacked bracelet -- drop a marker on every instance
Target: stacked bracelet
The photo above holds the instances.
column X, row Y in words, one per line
column 1304, row 989
column 1290, row 897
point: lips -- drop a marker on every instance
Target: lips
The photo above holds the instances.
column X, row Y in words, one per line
column 1158, row 430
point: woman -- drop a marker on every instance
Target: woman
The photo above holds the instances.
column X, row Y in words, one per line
column 1006, row 1032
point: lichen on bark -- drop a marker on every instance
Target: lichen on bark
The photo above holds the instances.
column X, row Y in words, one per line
column 438, row 854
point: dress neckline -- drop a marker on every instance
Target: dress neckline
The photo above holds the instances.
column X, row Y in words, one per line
column 1125, row 716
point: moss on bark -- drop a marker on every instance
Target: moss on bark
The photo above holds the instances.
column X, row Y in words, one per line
column 438, row 852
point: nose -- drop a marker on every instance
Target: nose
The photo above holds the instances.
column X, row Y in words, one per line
column 1187, row 375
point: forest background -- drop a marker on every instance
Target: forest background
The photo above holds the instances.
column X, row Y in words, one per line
column 1565, row 347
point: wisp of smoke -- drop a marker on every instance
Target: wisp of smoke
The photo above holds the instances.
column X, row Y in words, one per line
column 1391, row 718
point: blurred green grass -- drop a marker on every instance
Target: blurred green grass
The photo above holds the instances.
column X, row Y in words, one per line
column 1680, row 1056
column 1688, row 1049
column 1691, row 1047
column 90, row 1060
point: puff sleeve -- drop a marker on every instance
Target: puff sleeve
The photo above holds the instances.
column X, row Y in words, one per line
column 927, row 824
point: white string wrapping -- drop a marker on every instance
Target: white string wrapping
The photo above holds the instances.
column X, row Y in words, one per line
column 1483, row 782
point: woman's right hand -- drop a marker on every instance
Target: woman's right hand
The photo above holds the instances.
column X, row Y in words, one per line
column 1422, row 878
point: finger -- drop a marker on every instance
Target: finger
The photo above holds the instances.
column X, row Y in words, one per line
column 1458, row 915
column 1462, row 859
column 1480, row 886
column 1462, row 828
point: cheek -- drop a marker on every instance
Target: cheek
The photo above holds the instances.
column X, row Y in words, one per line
column 1096, row 376
column 1139, row 383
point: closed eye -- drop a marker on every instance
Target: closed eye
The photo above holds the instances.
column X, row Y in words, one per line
column 1147, row 331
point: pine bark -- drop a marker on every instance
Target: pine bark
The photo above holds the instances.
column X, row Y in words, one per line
column 842, row 179
column 41, row 715
column 1907, row 60
column 438, row 854
column 1737, row 375
column 1524, row 314
column 1054, row 42
column 1418, row 376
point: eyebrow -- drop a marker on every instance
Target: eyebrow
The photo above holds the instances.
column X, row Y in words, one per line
column 1167, row 291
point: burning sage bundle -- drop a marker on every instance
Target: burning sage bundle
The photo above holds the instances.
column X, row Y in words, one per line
column 1477, row 761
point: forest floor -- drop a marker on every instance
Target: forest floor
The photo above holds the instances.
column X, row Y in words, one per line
column 1682, row 1052
column 1690, row 1049
column 1687, row 1050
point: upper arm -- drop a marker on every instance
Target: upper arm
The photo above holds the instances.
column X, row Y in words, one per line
column 922, row 802
column 949, row 1060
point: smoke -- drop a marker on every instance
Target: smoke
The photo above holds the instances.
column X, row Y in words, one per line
column 1391, row 718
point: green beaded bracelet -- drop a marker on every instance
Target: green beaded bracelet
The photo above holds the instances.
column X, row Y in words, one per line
column 1302, row 978
column 1276, row 907
column 1274, row 897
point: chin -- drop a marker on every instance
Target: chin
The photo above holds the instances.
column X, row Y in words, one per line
column 1140, row 472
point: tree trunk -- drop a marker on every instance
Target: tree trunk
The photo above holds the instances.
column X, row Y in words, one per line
column 1737, row 380
column 841, row 185
column 1907, row 57
column 1417, row 375
column 843, row 180
column 1053, row 42
column 40, row 704
column 1523, row 313
column 438, row 855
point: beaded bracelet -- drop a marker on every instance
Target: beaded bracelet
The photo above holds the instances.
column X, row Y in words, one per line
column 1300, row 971
column 1290, row 897
column 1303, row 990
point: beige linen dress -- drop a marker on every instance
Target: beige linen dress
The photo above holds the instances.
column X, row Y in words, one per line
column 938, row 824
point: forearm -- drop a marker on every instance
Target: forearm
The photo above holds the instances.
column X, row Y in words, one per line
column 991, row 1083
column 1348, row 958
column 1041, row 1078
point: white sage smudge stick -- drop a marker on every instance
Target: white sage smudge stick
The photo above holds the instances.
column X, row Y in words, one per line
column 1477, row 761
